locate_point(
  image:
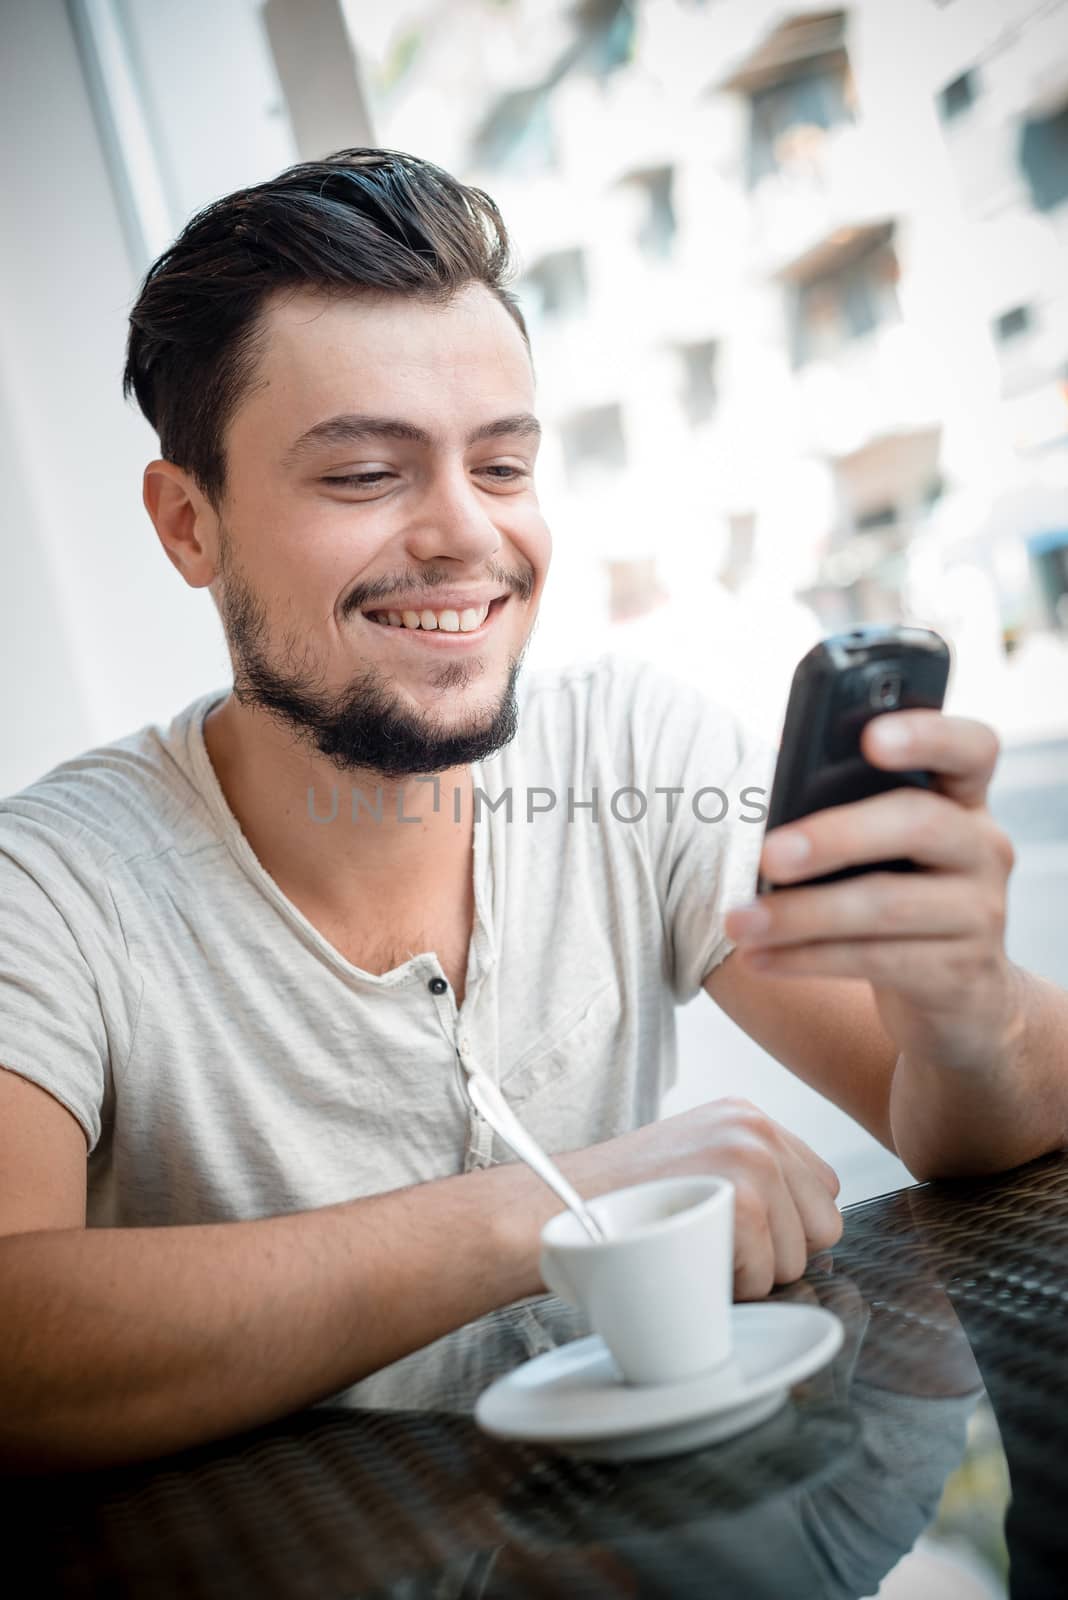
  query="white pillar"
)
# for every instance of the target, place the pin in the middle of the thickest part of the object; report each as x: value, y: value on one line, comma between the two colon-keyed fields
x: 320, y: 76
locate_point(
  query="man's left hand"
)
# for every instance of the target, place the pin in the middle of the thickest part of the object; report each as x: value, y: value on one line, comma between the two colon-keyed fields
x: 931, y: 943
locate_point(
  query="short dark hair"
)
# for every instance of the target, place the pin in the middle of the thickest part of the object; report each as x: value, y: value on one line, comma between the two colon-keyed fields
x: 379, y: 221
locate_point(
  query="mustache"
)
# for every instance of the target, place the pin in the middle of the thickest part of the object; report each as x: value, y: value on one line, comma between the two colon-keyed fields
x: 517, y: 581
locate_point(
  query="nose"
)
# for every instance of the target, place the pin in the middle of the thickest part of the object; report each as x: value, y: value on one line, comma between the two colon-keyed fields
x: 454, y: 521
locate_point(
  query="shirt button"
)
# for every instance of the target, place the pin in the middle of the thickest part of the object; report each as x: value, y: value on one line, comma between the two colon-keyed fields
x: 437, y: 986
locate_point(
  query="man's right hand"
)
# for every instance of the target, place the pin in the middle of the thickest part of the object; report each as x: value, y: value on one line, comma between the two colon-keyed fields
x: 784, y: 1203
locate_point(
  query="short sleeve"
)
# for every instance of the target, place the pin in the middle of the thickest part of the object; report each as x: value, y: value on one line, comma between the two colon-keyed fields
x: 61, y: 1012
x: 706, y: 836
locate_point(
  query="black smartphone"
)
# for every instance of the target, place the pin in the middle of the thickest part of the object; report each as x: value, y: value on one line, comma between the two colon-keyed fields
x: 839, y: 686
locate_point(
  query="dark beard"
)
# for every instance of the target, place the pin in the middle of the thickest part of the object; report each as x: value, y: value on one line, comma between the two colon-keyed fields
x: 364, y: 727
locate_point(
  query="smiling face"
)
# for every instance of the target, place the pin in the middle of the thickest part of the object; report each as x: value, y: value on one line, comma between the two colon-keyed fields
x: 382, y: 552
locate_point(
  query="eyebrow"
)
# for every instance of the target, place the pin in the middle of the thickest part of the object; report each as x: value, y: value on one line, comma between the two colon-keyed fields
x: 350, y: 427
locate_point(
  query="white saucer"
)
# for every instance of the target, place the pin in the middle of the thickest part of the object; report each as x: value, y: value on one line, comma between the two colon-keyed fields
x: 574, y: 1399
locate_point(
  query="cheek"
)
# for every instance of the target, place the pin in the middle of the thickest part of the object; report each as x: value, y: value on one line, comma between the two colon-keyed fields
x: 534, y: 543
x: 315, y: 555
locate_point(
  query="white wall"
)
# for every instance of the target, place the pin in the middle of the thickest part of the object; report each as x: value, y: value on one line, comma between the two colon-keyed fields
x: 98, y: 633
x: 42, y: 710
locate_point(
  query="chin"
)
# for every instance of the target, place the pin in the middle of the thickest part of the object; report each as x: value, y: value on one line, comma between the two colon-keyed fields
x: 455, y: 683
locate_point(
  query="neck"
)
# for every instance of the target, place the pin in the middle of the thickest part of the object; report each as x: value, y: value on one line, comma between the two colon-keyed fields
x: 322, y: 832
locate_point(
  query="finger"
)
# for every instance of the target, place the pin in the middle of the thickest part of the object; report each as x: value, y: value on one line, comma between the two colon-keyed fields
x: 818, y: 1216
x: 925, y: 827
x: 961, y: 751
x: 821, y: 1170
x: 879, y: 904
x: 788, y: 1241
x: 754, y: 1253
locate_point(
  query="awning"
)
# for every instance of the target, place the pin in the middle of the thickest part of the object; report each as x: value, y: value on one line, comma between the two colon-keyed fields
x: 787, y: 48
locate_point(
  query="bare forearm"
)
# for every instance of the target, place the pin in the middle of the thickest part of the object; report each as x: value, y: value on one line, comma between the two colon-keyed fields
x: 119, y: 1344
x: 953, y: 1122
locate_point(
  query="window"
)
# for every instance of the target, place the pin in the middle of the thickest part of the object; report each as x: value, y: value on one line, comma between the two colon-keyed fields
x: 1044, y: 159
x: 1011, y: 324
x: 699, y: 391
x: 593, y: 444
x: 741, y: 541
x: 634, y: 588
x: 958, y: 96
x: 556, y: 285
x: 610, y: 28
x: 1049, y: 559
x: 817, y: 98
x: 835, y: 308
x: 517, y: 135
x: 881, y: 517
x: 656, y: 231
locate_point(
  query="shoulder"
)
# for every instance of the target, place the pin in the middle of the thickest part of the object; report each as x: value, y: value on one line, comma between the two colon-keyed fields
x: 631, y: 709
x: 112, y: 803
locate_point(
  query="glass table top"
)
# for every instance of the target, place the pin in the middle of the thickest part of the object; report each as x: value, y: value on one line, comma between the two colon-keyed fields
x: 928, y: 1457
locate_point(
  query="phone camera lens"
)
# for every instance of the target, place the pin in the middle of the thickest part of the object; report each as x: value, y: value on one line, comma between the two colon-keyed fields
x: 886, y: 691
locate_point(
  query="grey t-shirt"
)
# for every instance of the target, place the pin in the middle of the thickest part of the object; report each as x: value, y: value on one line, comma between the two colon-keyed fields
x: 227, y: 1062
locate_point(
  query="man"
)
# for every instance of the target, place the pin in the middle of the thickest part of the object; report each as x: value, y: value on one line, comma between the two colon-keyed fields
x: 250, y: 990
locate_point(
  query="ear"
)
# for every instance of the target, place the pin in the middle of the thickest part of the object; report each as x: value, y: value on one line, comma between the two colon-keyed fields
x: 186, y: 525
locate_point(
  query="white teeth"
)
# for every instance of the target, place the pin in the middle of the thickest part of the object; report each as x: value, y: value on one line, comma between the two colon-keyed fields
x: 466, y: 621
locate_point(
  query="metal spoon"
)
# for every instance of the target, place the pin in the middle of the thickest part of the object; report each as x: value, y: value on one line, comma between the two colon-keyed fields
x: 491, y: 1104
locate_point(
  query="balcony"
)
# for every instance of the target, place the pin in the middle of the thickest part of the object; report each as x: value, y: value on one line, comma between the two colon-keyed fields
x: 829, y: 184
x: 889, y: 383
x: 792, y: 45
x: 885, y: 491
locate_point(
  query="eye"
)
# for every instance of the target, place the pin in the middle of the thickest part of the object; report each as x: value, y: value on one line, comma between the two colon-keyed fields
x: 369, y: 480
x: 356, y: 480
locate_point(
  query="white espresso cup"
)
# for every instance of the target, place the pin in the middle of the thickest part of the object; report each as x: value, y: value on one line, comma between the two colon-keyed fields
x: 658, y: 1289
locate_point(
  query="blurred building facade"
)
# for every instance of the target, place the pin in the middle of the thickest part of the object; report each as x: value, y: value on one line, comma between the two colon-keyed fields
x: 795, y: 278
x: 796, y: 284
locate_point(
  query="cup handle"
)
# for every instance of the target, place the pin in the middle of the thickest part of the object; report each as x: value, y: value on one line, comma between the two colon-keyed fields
x: 556, y: 1279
